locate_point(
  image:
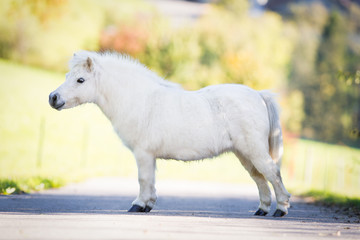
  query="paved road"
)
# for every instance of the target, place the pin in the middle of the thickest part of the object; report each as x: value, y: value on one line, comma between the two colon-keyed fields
x: 180, y: 12
x: 96, y: 209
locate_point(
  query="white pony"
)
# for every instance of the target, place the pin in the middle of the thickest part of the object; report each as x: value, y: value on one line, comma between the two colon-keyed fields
x: 158, y: 119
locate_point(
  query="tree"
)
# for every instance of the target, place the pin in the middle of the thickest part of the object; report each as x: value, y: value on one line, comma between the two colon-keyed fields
x: 329, y: 102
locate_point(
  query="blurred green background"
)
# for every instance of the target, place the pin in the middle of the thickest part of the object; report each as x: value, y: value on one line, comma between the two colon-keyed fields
x: 306, y: 51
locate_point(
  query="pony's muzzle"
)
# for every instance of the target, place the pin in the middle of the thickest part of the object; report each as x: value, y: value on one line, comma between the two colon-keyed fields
x: 55, y: 101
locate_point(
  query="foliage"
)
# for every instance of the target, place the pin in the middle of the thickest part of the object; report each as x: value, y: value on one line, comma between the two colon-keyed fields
x: 46, y: 33
x: 43, y: 32
x: 323, y: 67
x: 206, y: 53
x: 233, y: 6
x: 8, y: 187
x: 19, y: 185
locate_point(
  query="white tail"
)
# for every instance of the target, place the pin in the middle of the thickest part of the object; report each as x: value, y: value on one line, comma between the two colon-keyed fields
x: 275, y: 134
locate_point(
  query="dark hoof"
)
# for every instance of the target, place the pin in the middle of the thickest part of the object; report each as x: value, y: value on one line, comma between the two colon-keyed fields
x: 260, y: 212
x: 147, y: 209
x: 136, y: 208
x: 279, y: 213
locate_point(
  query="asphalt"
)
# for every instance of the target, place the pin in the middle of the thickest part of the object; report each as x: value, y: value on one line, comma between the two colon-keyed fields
x: 97, y: 209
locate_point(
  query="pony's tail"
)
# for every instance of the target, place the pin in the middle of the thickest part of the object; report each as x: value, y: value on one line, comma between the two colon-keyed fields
x: 275, y: 134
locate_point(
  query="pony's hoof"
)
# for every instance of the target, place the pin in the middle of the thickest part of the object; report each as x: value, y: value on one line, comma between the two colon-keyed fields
x: 279, y: 213
x: 147, y: 209
x: 136, y: 208
x: 260, y: 212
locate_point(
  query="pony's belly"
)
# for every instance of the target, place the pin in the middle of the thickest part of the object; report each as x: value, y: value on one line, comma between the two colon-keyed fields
x: 194, y: 151
x: 188, y: 155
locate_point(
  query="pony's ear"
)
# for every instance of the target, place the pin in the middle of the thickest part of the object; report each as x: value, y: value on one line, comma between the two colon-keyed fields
x: 89, y: 65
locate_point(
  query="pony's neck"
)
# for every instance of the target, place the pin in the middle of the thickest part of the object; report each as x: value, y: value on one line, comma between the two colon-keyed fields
x: 122, y: 89
x: 124, y: 94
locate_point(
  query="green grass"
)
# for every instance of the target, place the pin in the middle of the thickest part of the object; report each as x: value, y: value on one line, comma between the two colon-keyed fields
x: 347, y: 205
x: 333, y: 199
x: 8, y: 186
x: 310, y: 165
x: 37, y: 142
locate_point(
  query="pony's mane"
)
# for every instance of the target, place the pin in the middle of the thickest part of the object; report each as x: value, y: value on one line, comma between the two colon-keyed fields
x: 124, y: 60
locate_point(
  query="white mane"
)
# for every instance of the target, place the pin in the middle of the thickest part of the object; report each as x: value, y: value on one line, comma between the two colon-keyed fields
x: 123, y: 61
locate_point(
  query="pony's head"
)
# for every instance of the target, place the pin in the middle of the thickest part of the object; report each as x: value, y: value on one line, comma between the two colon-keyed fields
x: 80, y: 84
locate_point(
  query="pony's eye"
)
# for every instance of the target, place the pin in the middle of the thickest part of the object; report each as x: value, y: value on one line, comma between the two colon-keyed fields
x: 81, y: 80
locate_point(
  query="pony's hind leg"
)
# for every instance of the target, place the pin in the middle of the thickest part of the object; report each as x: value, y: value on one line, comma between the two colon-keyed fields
x: 266, y: 166
x: 263, y: 187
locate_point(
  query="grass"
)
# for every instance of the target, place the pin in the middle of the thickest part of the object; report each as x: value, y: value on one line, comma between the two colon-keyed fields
x: 310, y: 165
x: 8, y: 186
x: 40, y: 146
x: 333, y: 199
x: 349, y: 206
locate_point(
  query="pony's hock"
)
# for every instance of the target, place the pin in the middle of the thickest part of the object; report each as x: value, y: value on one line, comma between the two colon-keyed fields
x: 158, y: 119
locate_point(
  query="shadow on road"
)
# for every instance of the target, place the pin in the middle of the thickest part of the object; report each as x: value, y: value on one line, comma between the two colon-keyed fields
x: 209, y: 207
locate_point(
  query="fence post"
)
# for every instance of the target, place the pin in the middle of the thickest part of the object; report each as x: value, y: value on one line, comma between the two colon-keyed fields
x: 326, y: 173
x: 309, y: 161
x: 341, y: 173
x: 40, y: 150
x: 84, y: 147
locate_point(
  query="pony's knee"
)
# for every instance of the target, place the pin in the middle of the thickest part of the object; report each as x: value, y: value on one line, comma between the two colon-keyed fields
x: 254, y: 173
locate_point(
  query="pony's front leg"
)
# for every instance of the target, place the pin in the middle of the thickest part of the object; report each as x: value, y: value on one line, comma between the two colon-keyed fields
x: 146, y: 176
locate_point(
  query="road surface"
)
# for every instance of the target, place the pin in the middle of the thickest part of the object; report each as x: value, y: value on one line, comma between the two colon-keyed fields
x: 180, y: 12
x: 97, y: 209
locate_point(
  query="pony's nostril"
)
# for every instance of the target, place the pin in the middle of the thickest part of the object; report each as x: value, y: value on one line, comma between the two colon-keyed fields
x: 55, y: 101
x: 53, y: 97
